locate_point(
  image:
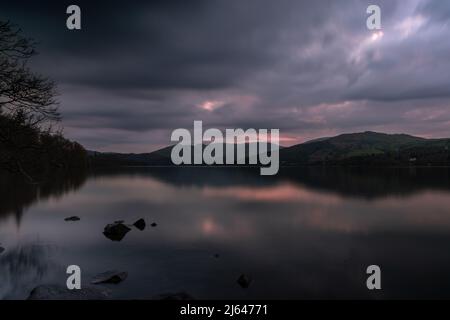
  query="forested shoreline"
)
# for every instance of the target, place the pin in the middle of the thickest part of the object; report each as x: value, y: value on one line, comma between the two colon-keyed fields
x: 31, y: 139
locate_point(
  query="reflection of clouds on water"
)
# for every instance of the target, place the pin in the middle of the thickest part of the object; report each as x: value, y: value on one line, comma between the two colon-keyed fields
x: 301, y: 234
x: 214, y: 227
x: 22, y: 268
x: 226, y: 207
x: 278, y: 193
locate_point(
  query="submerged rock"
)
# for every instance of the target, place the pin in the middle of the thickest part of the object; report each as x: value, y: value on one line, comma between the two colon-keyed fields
x: 173, y: 296
x: 2, y: 249
x: 116, y: 231
x: 216, y: 255
x: 244, y: 281
x: 119, y: 221
x: 110, y: 277
x: 140, y: 224
x: 57, y: 292
x: 154, y: 224
x: 73, y: 218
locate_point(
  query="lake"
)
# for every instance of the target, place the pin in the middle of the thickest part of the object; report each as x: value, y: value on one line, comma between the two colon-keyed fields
x: 307, y: 233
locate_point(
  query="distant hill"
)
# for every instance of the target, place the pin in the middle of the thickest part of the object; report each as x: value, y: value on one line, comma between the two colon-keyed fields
x: 366, y: 148
x: 109, y: 159
x: 369, y: 148
x: 161, y: 157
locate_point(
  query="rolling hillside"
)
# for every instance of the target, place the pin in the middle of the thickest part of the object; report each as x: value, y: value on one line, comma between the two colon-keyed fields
x: 366, y: 148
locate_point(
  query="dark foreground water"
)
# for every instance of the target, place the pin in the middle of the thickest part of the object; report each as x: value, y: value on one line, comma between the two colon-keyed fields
x: 306, y: 233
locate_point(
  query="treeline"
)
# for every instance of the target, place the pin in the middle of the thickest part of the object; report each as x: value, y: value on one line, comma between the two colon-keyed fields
x: 33, y: 152
x: 424, y: 156
x: 29, y: 144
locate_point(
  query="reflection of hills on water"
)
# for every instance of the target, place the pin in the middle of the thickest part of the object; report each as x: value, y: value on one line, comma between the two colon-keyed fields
x: 18, y: 194
x: 356, y: 182
x: 199, y: 176
x: 371, y: 183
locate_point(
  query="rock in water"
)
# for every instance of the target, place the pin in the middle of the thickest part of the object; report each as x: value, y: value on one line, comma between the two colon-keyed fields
x: 2, y: 249
x: 244, y: 281
x: 154, y: 224
x: 74, y: 218
x: 110, y: 277
x: 56, y: 292
x: 116, y: 231
x: 140, y: 224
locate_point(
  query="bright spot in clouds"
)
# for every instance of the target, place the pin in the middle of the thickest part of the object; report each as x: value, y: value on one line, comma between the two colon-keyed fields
x: 211, y: 105
x: 377, y: 35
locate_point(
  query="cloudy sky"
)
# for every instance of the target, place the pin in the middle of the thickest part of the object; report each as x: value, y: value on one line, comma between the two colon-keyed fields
x: 139, y: 69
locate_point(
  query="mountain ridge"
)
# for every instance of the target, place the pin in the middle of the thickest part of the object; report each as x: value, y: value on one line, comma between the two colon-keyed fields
x: 361, y: 148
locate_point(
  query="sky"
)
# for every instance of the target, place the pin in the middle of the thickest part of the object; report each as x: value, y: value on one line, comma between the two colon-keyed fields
x: 140, y: 69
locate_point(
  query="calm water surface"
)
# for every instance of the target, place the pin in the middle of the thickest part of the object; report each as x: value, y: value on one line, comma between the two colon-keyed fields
x: 306, y: 233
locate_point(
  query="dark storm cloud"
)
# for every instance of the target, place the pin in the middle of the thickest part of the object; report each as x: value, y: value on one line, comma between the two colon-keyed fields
x: 167, y: 44
x: 139, y: 69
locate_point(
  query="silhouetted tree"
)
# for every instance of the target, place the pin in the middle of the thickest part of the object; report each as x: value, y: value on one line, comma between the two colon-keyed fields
x: 28, y: 112
x: 20, y: 89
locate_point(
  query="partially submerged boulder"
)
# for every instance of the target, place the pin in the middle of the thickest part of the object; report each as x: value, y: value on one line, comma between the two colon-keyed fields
x: 57, y: 292
x: 116, y: 231
x: 244, y: 281
x: 154, y: 224
x: 140, y: 224
x: 73, y: 218
x: 2, y: 249
x: 110, y: 277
